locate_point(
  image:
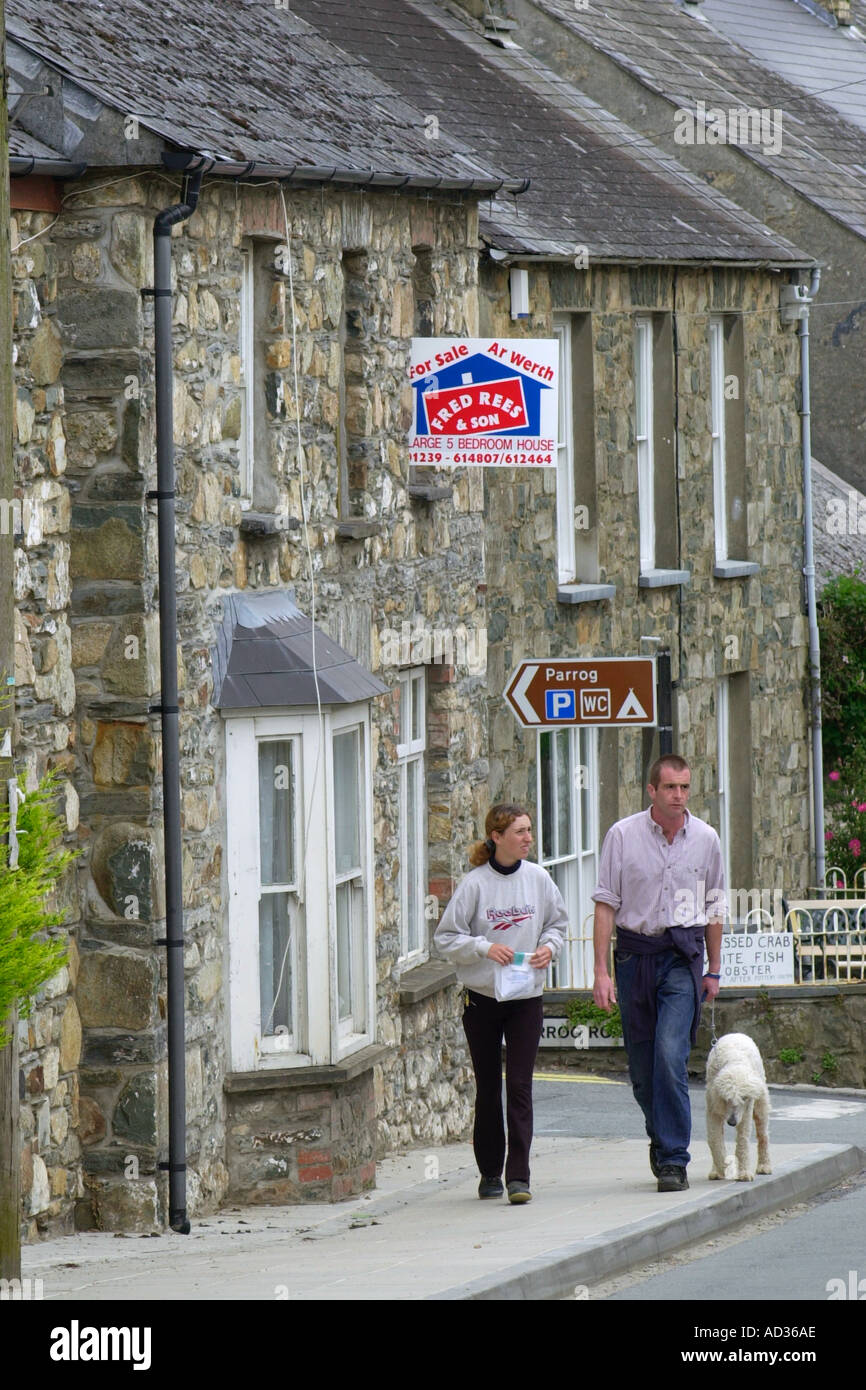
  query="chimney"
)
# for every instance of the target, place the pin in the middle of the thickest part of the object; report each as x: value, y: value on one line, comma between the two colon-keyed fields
x: 492, y: 18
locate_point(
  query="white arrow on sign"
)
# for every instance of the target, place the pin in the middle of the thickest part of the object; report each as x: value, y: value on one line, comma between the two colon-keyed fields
x: 518, y: 695
x: 631, y: 708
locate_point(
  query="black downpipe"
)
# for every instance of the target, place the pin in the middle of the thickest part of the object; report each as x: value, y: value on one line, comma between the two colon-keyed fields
x: 168, y: 708
x: 665, y: 702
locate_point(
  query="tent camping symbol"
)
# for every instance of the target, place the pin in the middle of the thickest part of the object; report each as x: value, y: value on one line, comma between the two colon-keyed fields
x: 478, y: 393
x: 631, y: 707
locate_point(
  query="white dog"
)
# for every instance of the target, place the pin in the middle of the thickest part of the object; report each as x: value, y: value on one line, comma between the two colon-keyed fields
x: 737, y: 1090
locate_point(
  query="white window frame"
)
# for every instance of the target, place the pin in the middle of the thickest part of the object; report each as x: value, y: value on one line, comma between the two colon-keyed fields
x: 717, y: 429
x: 411, y: 753
x: 287, y: 1041
x: 353, y: 1032
x: 723, y: 759
x: 574, y: 969
x: 319, y: 1038
x: 248, y: 370
x: 643, y: 404
x: 566, y: 550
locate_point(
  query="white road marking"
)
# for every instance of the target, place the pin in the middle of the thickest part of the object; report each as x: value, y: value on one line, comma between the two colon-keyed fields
x: 819, y: 1110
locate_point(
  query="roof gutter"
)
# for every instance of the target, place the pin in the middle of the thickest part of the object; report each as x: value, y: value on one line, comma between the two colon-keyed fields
x: 21, y: 165
x: 189, y: 161
x: 508, y: 258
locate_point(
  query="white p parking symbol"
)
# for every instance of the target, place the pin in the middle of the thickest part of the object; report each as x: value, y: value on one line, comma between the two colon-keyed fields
x: 559, y: 704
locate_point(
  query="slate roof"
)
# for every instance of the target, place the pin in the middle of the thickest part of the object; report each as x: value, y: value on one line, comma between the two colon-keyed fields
x: 686, y: 60
x: 802, y: 43
x: 263, y: 658
x: 836, y: 554
x: 594, y: 181
x: 237, y: 81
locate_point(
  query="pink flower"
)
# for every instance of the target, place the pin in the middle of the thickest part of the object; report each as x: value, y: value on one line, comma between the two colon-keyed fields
x: 834, y: 776
x: 861, y: 806
x: 828, y: 835
x: 854, y: 846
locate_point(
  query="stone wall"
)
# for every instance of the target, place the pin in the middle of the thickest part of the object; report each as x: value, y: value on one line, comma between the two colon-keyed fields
x: 825, y: 1024
x: 45, y: 729
x: 89, y: 658
x: 713, y: 627
x: 312, y: 1143
x: 482, y: 558
x: 428, y: 1096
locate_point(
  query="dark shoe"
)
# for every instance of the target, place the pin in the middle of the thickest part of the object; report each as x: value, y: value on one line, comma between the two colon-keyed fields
x: 490, y: 1187
x: 672, y: 1178
x: 519, y: 1192
x: 654, y: 1160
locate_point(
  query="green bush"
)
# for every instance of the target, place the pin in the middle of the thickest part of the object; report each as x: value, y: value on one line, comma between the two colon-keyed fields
x: 845, y: 805
x: 842, y: 626
x: 584, y: 1011
x: 27, y: 959
x: 791, y: 1055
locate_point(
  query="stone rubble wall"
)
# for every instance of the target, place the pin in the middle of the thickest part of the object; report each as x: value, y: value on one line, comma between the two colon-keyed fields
x: 88, y: 632
x: 45, y: 728
x: 762, y: 613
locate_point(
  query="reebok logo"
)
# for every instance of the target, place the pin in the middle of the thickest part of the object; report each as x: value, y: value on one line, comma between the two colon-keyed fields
x: 505, y: 917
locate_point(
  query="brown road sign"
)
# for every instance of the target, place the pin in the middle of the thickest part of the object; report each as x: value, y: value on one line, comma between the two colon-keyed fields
x: 609, y: 691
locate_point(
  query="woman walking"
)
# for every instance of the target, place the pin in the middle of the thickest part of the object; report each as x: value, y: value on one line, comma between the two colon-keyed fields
x: 503, y: 926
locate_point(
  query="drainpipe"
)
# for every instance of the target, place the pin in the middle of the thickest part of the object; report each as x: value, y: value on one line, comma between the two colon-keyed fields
x: 795, y: 301
x: 168, y: 708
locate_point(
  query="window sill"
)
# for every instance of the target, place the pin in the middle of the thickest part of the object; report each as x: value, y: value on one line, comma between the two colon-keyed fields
x: 430, y: 492
x: 584, y: 593
x: 424, y: 980
x: 663, y: 579
x: 267, y: 523
x: 735, y: 569
x: 293, y: 1078
x: 358, y: 530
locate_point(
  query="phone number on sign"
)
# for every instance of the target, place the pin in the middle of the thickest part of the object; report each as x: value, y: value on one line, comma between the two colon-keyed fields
x: 505, y: 460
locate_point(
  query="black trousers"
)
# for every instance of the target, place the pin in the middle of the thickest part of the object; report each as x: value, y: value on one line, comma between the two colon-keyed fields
x: 486, y: 1022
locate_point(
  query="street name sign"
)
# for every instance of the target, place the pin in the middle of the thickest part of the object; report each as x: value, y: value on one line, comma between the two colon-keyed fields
x: 608, y: 691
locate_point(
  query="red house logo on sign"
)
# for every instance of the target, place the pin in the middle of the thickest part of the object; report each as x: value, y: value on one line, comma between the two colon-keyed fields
x: 474, y: 406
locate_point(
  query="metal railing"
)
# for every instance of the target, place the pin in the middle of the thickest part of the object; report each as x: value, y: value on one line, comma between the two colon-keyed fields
x: 829, y: 940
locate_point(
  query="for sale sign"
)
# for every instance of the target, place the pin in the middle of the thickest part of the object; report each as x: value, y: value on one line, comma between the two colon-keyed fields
x: 483, y: 402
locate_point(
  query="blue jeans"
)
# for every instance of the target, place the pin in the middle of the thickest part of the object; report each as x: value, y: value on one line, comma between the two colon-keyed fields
x: 658, y: 1068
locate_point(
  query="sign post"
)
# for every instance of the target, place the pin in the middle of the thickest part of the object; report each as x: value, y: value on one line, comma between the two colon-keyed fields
x: 604, y: 691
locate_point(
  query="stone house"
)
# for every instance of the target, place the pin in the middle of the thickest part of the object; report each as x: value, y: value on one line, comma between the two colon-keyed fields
x: 795, y: 157
x: 665, y: 298
x: 293, y: 507
x: 330, y: 784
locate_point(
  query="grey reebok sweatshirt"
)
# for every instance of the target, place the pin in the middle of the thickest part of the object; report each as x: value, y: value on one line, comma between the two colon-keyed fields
x: 523, y: 910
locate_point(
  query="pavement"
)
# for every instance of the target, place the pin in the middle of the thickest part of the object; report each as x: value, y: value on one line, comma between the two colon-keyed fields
x: 423, y: 1234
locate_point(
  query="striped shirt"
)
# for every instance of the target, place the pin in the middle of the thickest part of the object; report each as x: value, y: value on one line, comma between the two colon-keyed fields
x: 651, y: 884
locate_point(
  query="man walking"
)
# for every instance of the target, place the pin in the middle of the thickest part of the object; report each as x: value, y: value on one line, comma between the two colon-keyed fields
x: 660, y: 870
